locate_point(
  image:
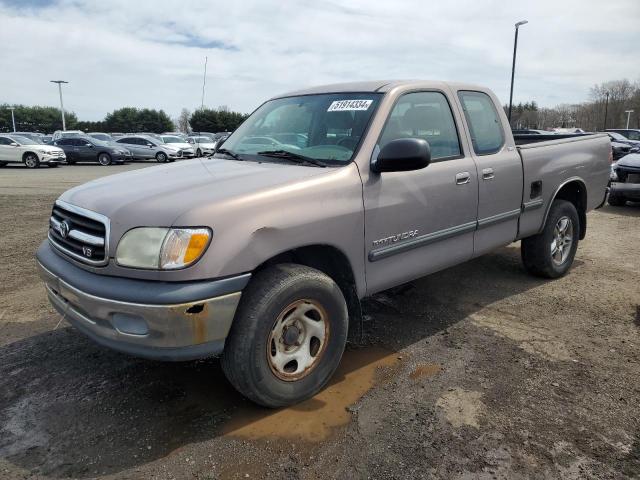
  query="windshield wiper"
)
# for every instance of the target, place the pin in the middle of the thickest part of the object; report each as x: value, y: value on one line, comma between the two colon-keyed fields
x: 294, y: 157
x: 229, y: 153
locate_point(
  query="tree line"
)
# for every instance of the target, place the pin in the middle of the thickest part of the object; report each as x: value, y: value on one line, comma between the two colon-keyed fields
x: 605, y: 108
x: 127, y: 119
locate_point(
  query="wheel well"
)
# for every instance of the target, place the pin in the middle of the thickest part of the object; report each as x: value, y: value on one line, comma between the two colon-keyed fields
x: 576, y: 193
x: 24, y: 155
x: 336, y: 265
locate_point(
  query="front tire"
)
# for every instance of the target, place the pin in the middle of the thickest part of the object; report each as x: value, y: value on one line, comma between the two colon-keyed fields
x: 161, y: 157
x: 198, y: 153
x: 31, y: 160
x: 550, y: 254
x: 104, y: 159
x: 287, y: 337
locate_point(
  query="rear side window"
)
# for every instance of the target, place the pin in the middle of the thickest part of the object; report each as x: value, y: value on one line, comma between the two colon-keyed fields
x: 126, y: 140
x: 65, y: 141
x: 484, y: 123
x: 425, y: 115
x: 5, y: 141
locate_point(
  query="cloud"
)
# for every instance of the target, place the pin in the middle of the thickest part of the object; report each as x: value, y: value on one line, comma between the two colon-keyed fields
x: 151, y: 53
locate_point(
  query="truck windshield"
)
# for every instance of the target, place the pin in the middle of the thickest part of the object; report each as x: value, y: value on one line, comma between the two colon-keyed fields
x: 326, y: 127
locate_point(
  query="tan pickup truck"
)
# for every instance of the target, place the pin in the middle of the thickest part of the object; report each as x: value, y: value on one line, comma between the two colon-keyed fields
x: 262, y: 253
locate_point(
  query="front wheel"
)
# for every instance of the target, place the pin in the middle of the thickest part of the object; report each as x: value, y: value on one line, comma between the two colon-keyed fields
x: 550, y: 253
x: 287, y: 337
x: 161, y: 157
x: 198, y: 153
x: 104, y: 159
x: 31, y: 160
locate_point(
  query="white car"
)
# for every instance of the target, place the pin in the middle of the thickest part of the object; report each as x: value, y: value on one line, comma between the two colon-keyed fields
x: 18, y: 149
x: 58, y: 134
x: 177, y: 143
x: 202, y: 145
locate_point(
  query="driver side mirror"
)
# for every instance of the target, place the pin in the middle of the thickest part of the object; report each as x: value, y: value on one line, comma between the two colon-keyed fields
x: 14, y: 144
x: 149, y: 144
x: 402, y: 155
x: 90, y: 145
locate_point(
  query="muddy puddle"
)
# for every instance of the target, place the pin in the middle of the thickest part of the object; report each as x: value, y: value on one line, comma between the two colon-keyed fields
x: 424, y: 370
x: 315, y: 419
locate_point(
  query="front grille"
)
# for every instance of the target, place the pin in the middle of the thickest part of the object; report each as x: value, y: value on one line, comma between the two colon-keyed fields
x: 56, y: 154
x: 81, y: 234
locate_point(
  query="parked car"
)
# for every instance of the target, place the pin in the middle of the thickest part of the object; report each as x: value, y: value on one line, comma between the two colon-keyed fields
x: 211, y: 135
x: 183, y: 136
x: 19, y: 149
x: 46, y: 139
x: 103, y: 137
x: 617, y: 137
x: 262, y: 253
x: 58, y: 134
x: 184, y: 148
x: 625, y: 180
x: 202, y: 145
x: 88, y: 149
x: 32, y: 135
x: 629, y: 133
x: 143, y: 147
x: 620, y: 150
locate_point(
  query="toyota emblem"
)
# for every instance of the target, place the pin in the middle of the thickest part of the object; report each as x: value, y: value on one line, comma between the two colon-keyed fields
x: 63, y: 228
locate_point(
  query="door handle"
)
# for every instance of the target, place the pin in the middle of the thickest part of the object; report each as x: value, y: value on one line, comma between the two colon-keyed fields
x: 487, y: 174
x: 462, y: 178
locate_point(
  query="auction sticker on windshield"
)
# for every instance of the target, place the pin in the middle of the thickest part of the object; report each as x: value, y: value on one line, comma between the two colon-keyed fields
x: 349, y: 105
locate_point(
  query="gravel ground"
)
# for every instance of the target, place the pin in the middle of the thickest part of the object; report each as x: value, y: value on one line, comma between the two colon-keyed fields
x: 480, y: 371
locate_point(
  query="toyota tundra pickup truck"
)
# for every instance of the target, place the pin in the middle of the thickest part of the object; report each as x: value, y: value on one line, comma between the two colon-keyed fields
x: 262, y: 253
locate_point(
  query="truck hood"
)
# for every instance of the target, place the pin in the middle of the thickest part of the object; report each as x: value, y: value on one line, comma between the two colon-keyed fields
x: 158, y: 195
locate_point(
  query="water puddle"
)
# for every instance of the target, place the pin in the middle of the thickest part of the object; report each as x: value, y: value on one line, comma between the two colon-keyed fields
x: 425, y: 370
x: 315, y: 419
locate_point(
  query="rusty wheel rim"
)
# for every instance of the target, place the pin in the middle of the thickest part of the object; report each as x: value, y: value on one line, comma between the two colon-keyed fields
x: 298, y: 340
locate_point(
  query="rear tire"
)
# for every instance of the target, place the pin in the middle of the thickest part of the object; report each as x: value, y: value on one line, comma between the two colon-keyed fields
x: 104, y: 159
x: 616, y: 200
x: 31, y: 160
x: 550, y: 253
x: 287, y: 337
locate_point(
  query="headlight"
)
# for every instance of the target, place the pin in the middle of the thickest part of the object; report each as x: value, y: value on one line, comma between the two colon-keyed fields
x: 162, y: 248
x: 45, y: 152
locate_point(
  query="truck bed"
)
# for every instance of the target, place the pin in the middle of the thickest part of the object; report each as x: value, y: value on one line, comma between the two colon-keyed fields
x: 550, y: 161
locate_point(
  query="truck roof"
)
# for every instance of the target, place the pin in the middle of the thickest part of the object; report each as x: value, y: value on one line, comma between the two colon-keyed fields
x: 382, y: 86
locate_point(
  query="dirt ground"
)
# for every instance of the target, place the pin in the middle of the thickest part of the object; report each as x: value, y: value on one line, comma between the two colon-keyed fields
x: 480, y: 371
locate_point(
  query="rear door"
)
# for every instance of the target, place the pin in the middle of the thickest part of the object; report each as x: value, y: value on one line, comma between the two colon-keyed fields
x: 6, y: 150
x: 421, y: 221
x: 499, y: 172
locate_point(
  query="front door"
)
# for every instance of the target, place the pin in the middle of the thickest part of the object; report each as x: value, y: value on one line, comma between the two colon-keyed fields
x: 421, y: 221
x: 83, y: 150
x: 499, y: 173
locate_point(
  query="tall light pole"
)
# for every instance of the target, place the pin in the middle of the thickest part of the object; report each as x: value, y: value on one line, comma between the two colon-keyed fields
x: 628, y: 112
x: 513, y: 65
x: 204, y: 82
x: 606, y: 110
x: 13, y: 119
x: 60, y: 82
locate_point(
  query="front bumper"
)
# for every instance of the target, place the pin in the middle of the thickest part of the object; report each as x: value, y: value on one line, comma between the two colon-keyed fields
x: 157, y: 320
x: 46, y: 158
x: 630, y: 191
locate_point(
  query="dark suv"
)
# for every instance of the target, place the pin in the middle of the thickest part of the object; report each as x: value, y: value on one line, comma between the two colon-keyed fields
x: 630, y: 133
x: 87, y: 149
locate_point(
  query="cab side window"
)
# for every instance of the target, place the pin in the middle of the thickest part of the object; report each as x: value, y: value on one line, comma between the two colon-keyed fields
x: 484, y: 123
x: 5, y: 141
x: 65, y: 141
x: 425, y: 115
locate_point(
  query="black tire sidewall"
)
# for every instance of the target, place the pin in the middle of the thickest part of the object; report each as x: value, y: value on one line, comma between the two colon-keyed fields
x: 104, y: 164
x: 161, y: 157
x: 37, y: 162
x: 559, y: 210
x: 255, y: 320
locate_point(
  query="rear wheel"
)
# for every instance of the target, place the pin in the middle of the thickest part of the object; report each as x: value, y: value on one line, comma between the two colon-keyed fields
x: 287, y: 337
x: 31, y: 160
x: 550, y: 253
x: 161, y: 157
x: 104, y: 159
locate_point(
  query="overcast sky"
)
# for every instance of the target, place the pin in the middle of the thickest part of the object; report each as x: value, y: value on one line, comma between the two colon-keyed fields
x: 151, y: 53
